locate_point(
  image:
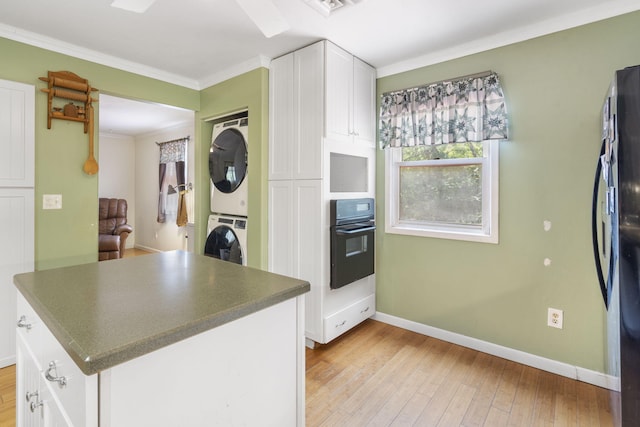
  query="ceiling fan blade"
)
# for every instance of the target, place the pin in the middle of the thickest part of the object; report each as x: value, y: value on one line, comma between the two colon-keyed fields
x: 265, y: 15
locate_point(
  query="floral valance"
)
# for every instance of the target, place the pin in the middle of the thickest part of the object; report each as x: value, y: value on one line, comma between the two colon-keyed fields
x: 465, y: 110
x: 173, y: 151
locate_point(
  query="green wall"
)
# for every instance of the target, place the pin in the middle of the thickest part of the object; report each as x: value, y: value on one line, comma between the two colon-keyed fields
x: 500, y: 293
x: 248, y: 91
x: 70, y: 235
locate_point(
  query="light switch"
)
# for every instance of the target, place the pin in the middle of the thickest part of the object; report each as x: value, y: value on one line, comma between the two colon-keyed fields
x: 52, y: 201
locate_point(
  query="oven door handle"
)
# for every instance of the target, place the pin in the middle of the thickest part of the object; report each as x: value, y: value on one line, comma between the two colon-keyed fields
x: 356, y: 230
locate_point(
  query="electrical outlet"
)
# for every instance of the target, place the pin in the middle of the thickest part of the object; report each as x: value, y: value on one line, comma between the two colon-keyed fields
x: 554, y: 318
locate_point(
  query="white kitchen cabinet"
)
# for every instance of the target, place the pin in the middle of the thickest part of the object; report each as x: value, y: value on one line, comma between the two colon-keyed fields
x: 296, y: 236
x: 318, y: 94
x: 28, y: 388
x: 321, y: 102
x: 296, y: 106
x: 281, y: 112
x: 345, y: 319
x: 65, y: 396
x: 16, y: 202
x: 210, y: 379
x: 36, y: 404
x: 350, y: 98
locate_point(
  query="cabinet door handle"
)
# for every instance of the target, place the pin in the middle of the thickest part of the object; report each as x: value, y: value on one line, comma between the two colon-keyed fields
x: 22, y: 323
x: 35, y: 405
x: 54, y: 378
x: 29, y: 395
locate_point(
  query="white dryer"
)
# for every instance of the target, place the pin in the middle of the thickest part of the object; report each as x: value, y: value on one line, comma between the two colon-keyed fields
x: 227, y: 238
x: 228, y: 167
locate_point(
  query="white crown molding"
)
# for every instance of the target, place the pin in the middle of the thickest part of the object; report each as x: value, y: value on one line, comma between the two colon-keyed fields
x: 560, y: 368
x: 603, y: 11
x: 236, y: 70
x: 118, y: 136
x: 59, y: 46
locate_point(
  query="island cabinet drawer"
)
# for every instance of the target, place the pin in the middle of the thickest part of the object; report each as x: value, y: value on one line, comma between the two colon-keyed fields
x: 30, y: 329
x: 350, y: 316
x: 73, y: 395
x: 76, y: 392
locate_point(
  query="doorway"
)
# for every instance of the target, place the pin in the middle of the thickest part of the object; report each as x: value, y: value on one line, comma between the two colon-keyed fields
x: 128, y: 155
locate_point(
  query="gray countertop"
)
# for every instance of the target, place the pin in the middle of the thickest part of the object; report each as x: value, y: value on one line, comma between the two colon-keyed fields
x: 109, y: 312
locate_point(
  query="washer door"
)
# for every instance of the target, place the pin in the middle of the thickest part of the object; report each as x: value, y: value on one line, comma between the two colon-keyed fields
x: 228, y: 160
x: 223, y: 244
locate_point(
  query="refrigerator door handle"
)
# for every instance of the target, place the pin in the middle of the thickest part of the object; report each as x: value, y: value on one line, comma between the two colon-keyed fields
x: 594, y: 228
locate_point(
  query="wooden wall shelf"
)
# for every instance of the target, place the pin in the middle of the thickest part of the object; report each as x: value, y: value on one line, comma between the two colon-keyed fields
x: 65, y: 87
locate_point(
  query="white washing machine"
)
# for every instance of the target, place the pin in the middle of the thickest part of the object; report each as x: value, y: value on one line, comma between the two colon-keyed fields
x: 228, y: 167
x: 227, y: 238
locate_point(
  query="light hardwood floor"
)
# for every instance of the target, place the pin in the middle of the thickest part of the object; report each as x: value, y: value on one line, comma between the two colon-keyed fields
x: 8, y: 396
x: 380, y: 375
x: 131, y: 252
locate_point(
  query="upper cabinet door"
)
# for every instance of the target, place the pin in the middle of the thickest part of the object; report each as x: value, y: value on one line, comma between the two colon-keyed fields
x: 339, y: 96
x: 309, y: 80
x: 281, y: 113
x: 350, y: 98
x: 17, y: 128
x: 364, y: 103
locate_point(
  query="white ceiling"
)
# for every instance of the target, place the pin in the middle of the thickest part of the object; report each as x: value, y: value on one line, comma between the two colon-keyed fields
x: 197, y: 43
x: 121, y: 116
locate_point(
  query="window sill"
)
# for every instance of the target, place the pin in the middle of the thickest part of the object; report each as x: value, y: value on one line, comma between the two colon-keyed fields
x: 443, y: 233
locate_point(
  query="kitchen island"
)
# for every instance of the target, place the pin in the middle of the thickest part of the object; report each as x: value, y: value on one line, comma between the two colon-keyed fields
x: 173, y: 339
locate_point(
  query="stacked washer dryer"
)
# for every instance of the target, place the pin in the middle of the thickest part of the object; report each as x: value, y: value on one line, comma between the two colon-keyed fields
x: 227, y: 226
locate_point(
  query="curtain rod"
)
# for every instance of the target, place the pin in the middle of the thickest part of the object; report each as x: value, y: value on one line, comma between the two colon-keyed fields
x: 187, y: 138
x: 468, y: 76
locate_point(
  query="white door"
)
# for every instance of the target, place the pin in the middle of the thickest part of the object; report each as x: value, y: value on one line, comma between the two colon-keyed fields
x: 16, y: 134
x: 16, y: 202
x: 16, y: 256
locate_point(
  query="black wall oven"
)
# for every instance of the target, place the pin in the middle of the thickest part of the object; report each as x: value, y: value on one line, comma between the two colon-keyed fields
x: 352, y: 228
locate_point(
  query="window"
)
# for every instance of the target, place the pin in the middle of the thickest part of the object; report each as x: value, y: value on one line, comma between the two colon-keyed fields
x: 446, y: 191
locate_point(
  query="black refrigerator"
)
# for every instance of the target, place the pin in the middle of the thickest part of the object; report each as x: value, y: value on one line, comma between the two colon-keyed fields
x: 616, y: 239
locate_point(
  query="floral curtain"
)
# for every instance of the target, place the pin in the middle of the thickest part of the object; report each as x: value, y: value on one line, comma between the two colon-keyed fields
x: 465, y: 110
x: 172, y: 180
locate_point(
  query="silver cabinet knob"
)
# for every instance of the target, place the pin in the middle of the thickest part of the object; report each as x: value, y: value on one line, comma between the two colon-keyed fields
x: 22, y: 323
x: 52, y: 375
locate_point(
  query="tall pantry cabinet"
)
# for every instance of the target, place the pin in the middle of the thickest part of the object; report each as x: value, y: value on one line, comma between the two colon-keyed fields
x: 17, y: 127
x: 322, y: 113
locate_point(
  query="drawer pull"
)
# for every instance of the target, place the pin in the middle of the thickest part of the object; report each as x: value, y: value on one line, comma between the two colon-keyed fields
x: 341, y: 324
x: 54, y: 378
x: 365, y: 310
x: 35, y: 405
x: 22, y: 323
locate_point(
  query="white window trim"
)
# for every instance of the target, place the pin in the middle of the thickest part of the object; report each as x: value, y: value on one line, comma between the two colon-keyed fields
x: 490, y: 203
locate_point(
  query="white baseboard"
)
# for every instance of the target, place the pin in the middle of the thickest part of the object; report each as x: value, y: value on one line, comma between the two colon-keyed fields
x: 147, y: 248
x: 7, y: 361
x: 570, y: 371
